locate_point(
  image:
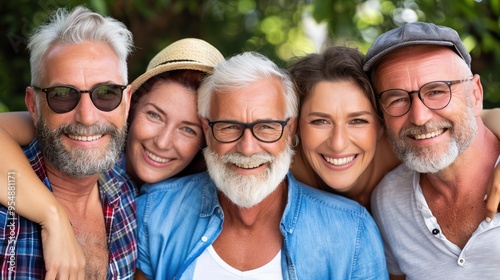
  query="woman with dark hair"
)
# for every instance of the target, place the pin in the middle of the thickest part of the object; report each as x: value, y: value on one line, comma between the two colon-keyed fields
x: 343, y: 147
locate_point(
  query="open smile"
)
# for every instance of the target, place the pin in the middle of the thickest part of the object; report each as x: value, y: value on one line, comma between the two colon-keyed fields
x: 339, y: 161
x: 156, y: 158
x: 85, y: 138
x: 247, y: 165
x: 428, y: 135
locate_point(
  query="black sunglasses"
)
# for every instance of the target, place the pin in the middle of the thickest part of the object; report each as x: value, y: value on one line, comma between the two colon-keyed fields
x: 63, y: 99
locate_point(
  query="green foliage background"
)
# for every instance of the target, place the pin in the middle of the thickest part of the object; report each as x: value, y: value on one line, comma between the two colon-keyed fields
x: 272, y: 27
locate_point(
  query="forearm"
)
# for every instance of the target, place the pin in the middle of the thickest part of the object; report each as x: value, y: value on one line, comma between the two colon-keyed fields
x: 19, y: 126
x: 24, y: 193
x: 22, y: 190
x: 491, y: 118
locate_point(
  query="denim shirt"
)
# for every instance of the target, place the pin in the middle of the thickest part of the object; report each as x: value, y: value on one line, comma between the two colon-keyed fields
x: 325, y: 236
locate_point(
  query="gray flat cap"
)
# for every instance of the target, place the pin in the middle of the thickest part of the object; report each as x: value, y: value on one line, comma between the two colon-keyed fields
x: 416, y: 33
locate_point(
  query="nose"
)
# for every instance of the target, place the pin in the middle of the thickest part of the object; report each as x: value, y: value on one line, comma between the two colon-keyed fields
x: 419, y: 114
x: 338, y: 140
x: 85, y: 112
x: 248, y: 144
x: 164, y: 138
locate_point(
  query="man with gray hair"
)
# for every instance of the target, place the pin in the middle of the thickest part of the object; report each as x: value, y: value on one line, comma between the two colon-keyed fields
x: 79, y: 101
x: 248, y: 218
x: 431, y: 209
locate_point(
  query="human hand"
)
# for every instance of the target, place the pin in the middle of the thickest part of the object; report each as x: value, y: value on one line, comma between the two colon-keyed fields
x: 63, y: 256
x: 493, y: 196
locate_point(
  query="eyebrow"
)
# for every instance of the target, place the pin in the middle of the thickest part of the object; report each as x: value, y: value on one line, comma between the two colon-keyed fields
x: 156, y: 107
x: 361, y: 113
x: 319, y: 114
x: 165, y: 114
x: 192, y: 123
x: 353, y: 114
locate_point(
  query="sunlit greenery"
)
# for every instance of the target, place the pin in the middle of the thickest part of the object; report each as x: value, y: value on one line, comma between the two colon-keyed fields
x: 281, y: 29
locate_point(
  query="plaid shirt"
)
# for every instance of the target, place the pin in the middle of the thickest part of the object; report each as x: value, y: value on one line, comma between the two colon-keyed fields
x: 21, y: 255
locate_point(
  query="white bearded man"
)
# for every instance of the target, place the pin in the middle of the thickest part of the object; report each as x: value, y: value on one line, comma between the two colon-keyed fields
x: 248, y: 218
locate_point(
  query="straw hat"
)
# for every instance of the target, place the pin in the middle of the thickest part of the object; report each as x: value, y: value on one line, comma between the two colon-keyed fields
x: 184, y: 54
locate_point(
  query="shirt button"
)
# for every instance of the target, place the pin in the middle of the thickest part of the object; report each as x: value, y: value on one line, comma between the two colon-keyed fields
x: 461, y: 261
x: 204, y: 239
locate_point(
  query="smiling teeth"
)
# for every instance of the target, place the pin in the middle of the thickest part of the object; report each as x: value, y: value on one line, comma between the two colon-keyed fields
x: 157, y: 159
x: 428, y: 135
x: 85, y: 138
x: 339, y: 161
x: 247, y: 165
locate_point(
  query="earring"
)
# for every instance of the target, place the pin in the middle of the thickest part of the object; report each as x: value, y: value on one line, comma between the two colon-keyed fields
x: 295, y: 141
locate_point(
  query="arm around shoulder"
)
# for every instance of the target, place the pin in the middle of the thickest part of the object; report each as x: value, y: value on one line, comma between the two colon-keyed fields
x: 19, y: 126
x: 490, y: 118
x: 32, y: 200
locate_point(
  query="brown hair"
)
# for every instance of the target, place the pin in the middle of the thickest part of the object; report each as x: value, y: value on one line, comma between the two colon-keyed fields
x: 190, y: 79
x: 336, y: 63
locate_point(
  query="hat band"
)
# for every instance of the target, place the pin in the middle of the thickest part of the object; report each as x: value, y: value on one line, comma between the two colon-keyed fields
x: 174, y: 61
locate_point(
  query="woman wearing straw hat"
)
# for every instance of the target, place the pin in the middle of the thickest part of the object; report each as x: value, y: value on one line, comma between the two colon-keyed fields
x: 165, y: 135
x: 164, y: 131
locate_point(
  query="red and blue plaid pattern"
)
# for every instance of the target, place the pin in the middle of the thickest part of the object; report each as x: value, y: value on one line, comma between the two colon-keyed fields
x: 21, y: 255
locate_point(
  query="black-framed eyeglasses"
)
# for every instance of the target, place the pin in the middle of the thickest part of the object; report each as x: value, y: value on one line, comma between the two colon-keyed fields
x: 435, y: 95
x: 63, y: 99
x: 267, y: 131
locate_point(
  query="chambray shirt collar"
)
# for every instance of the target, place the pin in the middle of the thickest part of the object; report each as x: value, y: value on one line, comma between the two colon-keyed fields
x: 292, y: 208
x: 210, y: 201
x: 210, y: 204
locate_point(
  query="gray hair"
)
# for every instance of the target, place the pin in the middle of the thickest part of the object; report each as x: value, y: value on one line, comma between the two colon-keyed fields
x: 74, y: 27
x: 240, y: 71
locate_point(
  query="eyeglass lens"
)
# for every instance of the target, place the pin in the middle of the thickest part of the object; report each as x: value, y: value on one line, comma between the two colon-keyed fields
x: 435, y: 95
x: 62, y: 99
x: 264, y: 131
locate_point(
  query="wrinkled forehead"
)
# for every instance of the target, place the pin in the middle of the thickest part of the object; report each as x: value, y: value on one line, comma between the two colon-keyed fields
x: 82, y: 65
x: 421, y: 64
x: 417, y: 54
x: 263, y: 99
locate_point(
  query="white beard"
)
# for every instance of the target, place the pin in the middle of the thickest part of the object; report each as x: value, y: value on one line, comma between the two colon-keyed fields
x: 247, y: 191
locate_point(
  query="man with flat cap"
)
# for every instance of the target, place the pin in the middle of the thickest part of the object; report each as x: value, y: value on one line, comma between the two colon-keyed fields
x: 431, y: 209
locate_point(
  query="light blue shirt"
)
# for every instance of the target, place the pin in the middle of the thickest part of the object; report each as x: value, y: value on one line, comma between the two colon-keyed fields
x: 325, y: 236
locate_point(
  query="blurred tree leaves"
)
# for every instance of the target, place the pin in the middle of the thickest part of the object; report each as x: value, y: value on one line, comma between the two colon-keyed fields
x: 272, y: 27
